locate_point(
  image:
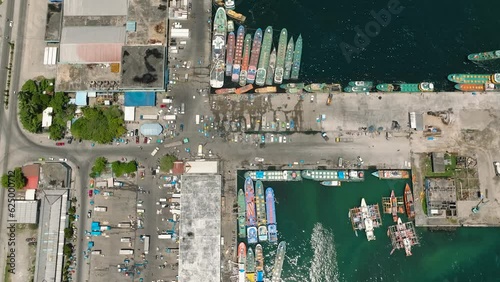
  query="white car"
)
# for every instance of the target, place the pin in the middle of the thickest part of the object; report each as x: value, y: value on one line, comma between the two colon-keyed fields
x: 51, y: 159
x: 63, y: 160
x: 272, y: 138
x: 284, y: 139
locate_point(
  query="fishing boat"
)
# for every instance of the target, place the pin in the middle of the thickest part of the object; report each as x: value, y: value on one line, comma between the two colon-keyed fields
x: 218, y: 49
x: 278, y: 262
x: 242, y: 256
x: 297, y: 55
x: 231, y: 41
x: 394, y: 207
x: 259, y: 263
x: 282, y: 175
x: 331, y: 183
x: 289, y: 59
x: 287, y: 86
x: 250, y: 202
x: 271, y: 68
x: 367, y: 220
x: 236, y: 16
x: 225, y: 91
x: 254, y: 56
x: 230, y: 26
x: 238, y: 54
x: 361, y: 83
x: 272, y: 231
x: 229, y: 4
x: 280, y: 57
x: 244, y: 89
x: 470, y: 78
x: 403, y: 233
x: 333, y: 175
x: 357, y: 89
x: 267, y: 89
x: 241, y: 214
x: 333, y: 87
x: 260, y: 201
x: 410, y: 208
x: 265, y: 52
x: 246, y: 59
x: 250, y: 265
x: 391, y: 174
x: 315, y: 87
x: 484, y: 56
x: 406, y: 87
x: 466, y: 87
x: 252, y: 237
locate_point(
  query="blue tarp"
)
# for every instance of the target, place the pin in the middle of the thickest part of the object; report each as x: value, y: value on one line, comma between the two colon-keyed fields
x: 95, y: 233
x: 95, y: 226
x: 81, y: 98
x: 137, y: 99
x: 341, y: 175
x: 259, y: 174
x: 90, y: 244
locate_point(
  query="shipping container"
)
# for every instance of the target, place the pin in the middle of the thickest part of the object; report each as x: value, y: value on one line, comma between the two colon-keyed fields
x: 176, y: 195
x: 124, y: 225
x: 146, y: 244
x: 164, y: 236
x: 174, y: 200
x: 96, y: 252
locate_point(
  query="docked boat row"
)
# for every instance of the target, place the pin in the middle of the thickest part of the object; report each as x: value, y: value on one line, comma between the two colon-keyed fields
x: 367, y: 86
x: 256, y: 213
x: 250, y: 263
x: 476, y: 82
x: 285, y: 175
x: 484, y: 56
x: 333, y: 175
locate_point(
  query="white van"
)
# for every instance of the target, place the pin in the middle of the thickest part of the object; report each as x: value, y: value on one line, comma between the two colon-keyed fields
x: 182, y: 109
x: 281, y: 139
x: 197, y: 119
x: 155, y: 151
x: 200, y: 150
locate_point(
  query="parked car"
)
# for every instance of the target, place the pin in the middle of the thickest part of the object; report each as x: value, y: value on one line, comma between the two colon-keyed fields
x: 91, y: 193
x: 60, y: 144
x: 136, y: 132
x: 137, y: 140
x: 163, y: 106
x: 89, y: 214
x: 323, y: 134
x: 145, y: 140
x: 63, y: 160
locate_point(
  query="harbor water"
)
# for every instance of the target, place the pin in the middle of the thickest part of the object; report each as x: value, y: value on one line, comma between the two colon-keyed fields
x: 424, y: 41
x: 321, y: 245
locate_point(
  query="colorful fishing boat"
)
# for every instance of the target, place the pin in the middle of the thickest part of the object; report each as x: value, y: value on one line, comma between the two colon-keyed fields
x: 357, y: 89
x: 467, y: 87
x: 272, y: 230
x: 260, y: 200
x: 238, y: 54
x: 242, y: 233
x: 225, y: 91
x: 252, y: 237
x: 471, y: 78
x: 331, y: 183
x: 361, y: 83
x: 280, y: 57
x: 391, y: 174
x: 231, y: 41
x: 254, y: 56
x: 246, y: 59
x: 315, y: 87
x: 289, y: 59
x: 406, y: 87
x: 287, y: 86
x: 484, y: 56
x: 271, y: 68
x: 297, y: 55
x: 250, y: 265
x: 394, y: 207
x: 230, y: 26
x: 410, y: 208
x: 259, y: 263
x: 242, y: 256
x: 265, y: 51
x: 267, y: 89
x: 250, y: 202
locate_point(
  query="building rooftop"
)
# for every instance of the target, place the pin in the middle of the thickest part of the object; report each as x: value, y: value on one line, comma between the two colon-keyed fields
x: 200, y: 231
x: 47, y: 117
x: 143, y: 67
x: 201, y: 167
x: 32, y: 173
x: 151, y: 129
x: 91, y: 44
x: 150, y: 20
x: 26, y: 212
x: 95, y: 8
x: 54, y: 22
x: 51, y: 235
x: 438, y: 165
x: 84, y: 77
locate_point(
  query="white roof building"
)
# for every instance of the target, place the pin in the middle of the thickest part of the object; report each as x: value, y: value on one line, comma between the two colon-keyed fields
x: 201, y: 167
x: 47, y: 117
x: 129, y: 113
x: 95, y: 8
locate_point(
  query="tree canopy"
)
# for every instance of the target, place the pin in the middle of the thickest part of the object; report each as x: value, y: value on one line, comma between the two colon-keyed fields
x: 120, y: 168
x: 99, y: 124
x: 167, y: 162
x: 17, y: 178
x: 99, y: 166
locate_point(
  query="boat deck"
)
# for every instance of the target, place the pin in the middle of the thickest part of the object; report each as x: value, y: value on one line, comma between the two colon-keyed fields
x: 284, y: 175
x: 399, y: 235
x: 386, y: 202
x: 356, y: 216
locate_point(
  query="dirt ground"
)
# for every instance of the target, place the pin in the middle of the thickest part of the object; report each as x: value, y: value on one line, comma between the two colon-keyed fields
x: 25, y: 254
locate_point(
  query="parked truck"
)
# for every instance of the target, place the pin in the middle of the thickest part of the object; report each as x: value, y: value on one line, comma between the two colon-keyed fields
x: 100, y: 209
x: 342, y: 139
x: 149, y: 117
x: 174, y: 200
x: 169, y: 117
x: 118, y: 184
x: 126, y: 252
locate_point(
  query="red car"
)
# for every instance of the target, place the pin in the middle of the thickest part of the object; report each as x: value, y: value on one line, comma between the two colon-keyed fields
x: 91, y: 192
x: 145, y: 140
x: 137, y: 140
x: 163, y: 106
x: 60, y: 144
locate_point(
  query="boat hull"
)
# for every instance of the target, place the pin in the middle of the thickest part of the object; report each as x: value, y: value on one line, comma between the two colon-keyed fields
x: 484, y: 56
x: 297, y: 57
x: 250, y: 203
x: 252, y: 237
x: 262, y: 233
x: 265, y: 54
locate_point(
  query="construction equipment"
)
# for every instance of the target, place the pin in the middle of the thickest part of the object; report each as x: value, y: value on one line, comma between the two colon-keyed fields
x: 475, y: 209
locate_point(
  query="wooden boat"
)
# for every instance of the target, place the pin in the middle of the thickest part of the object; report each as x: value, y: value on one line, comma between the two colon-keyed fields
x: 410, y: 207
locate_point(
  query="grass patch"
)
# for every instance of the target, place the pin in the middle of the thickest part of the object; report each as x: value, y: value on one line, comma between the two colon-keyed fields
x: 424, y: 204
x: 449, y: 168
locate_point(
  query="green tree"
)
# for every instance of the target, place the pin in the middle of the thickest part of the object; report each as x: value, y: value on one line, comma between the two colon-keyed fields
x: 99, y: 124
x: 56, y: 131
x: 5, y: 180
x: 68, y: 249
x: 19, y: 179
x: 167, y: 162
x: 72, y: 210
x: 68, y: 233
x: 99, y: 166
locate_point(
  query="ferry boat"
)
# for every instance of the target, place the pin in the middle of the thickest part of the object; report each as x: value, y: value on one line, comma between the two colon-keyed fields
x: 356, y: 175
x: 297, y: 55
x: 252, y: 237
x: 250, y: 265
x: 406, y: 87
x: 484, y: 56
x: 339, y: 175
x: 357, y: 89
x: 259, y: 263
x: 368, y: 222
x: 280, y: 57
x: 394, y: 207
x: 410, y: 208
x: 271, y: 68
x: 242, y: 233
x: 285, y: 175
x: 331, y: 183
x: 254, y: 57
x: 250, y: 202
x: 272, y: 231
x: 471, y: 78
x: 238, y: 54
x: 288, y: 59
x: 467, y: 87
x: 218, y: 49
x: 391, y: 174
x: 261, y: 211
x: 265, y: 53
x: 242, y: 256
x: 246, y: 59
x: 231, y: 41
x: 267, y: 89
x: 278, y: 262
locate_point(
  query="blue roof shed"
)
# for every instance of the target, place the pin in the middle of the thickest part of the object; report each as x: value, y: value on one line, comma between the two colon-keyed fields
x: 151, y: 129
x: 137, y: 99
x: 81, y: 98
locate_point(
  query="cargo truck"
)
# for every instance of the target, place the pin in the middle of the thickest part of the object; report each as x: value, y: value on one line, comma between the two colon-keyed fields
x: 169, y: 117
x: 149, y: 117
x: 101, y: 209
x: 126, y: 252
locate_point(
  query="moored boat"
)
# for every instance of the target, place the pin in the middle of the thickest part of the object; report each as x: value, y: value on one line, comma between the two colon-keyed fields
x: 242, y: 256
x: 231, y: 41
x: 246, y: 59
x: 476, y: 87
x: 259, y: 263
x: 250, y: 202
x: 410, y: 208
x: 236, y: 16
x: 470, y: 78
x: 229, y: 4
x: 406, y: 87
x: 218, y: 49
x: 280, y: 57
x: 265, y: 53
x: 484, y: 56
x: 394, y: 206
x: 356, y: 89
x: 250, y: 265
x: 292, y: 86
x: 289, y: 58
x: 252, y: 237
x: 262, y: 232
x: 297, y: 56
x: 361, y: 83
x: 326, y: 175
x: 242, y: 232
x: 271, y: 68
x: 315, y: 87
x: 278, y: 262
x: 244, y: 89
x: 272, y: 231
x: 254, y: 56
x: 225, y: 91
x: 391, y: 174
x: 230, y: 26
x: 261, y: 210
x: 238, y: 54
x: 367, y: 220
x: 268, y: 89
x: 331, y: 183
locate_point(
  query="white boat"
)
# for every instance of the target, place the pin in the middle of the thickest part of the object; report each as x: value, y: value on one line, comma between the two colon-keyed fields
x: 229, y: 4
x: 262, y: 233
x: 369, y: 229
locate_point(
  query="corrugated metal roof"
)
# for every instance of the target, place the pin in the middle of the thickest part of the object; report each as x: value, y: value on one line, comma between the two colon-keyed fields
x: 95, y: 8
x: 93, y: 34
x: 151, y: 129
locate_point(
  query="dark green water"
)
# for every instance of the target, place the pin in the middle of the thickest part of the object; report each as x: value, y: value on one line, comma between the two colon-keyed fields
x: 321, y: 245
x: 426, y: 41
